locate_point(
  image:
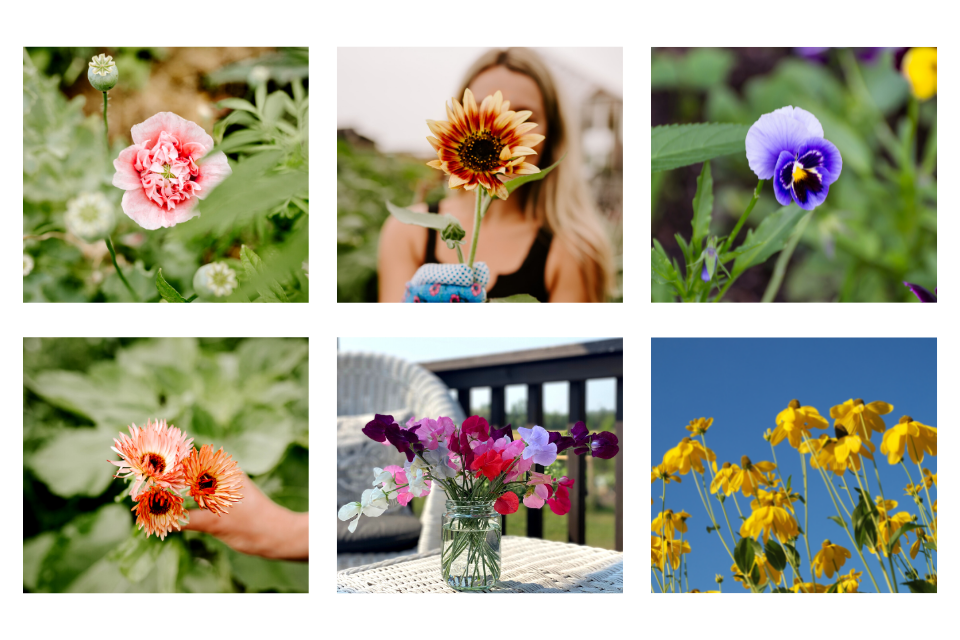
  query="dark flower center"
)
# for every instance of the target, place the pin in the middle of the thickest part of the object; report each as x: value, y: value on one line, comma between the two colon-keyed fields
x: 154, y: 460
x: 159, y: 504
x: 803, y: 175
x: 480, y: 152
x: 207, y: 484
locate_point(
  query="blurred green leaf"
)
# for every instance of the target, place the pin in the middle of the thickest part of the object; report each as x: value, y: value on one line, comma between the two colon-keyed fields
x: 513, y: 185
x: 676, y: 145
x: 236, y: 103
x: 84, y: 541
x: 167, y: 292
x: 702, y: 206
x: 699, y: 68
x: 259, y: 574
x: 766, y: 239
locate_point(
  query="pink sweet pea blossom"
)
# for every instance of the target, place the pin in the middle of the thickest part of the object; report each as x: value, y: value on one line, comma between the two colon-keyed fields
x: 560, y: 502
x: 507, y: 504
x: 540, y: 485
x: 520, y: 467
x: 160, y: 171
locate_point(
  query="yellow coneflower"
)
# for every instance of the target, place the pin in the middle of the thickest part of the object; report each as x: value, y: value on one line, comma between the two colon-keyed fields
x: 854, y: 415
x: 829, y: 559
x: 686, y: 455
x: 795, y: 422
x: 910, y: 436
x: 699, y: 426
x: 668, y: 523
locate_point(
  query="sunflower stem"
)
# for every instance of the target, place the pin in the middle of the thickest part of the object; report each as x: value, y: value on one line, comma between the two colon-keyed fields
x: 113, y: 256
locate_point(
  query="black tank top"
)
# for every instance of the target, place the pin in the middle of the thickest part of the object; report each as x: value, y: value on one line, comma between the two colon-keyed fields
x: 529, y: 278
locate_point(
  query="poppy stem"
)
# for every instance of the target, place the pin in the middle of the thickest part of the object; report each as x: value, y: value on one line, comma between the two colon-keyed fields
x: 113, y: 256
x: 106, y: 139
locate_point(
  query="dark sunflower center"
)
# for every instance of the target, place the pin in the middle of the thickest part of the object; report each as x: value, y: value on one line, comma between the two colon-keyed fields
x: 159, y: 504
x: 480, y: 152
x: 155, y: 461
x: 207, y: 484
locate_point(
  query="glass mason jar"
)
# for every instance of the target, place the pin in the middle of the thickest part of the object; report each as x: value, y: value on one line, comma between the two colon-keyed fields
x: 470, y: 549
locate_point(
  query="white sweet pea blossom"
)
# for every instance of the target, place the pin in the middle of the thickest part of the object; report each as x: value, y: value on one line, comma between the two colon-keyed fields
x: 417, y: 483
x: 383, y: 479
x: 439, y: 460
x: 372, y: 503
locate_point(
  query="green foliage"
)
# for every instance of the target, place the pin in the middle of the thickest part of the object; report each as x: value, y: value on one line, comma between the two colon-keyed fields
x: 675, y: 145
x: 702, y: 205
x: 248, y: 396
x: 518, y: 297
x: 775, y: 554
x: 767, y: 239
x: 920, y: 586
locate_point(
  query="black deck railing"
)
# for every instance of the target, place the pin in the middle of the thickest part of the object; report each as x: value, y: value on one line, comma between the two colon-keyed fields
x: 575, y: 363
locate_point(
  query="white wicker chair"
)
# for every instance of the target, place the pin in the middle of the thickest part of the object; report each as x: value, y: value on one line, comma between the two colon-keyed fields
x: 374, y: 383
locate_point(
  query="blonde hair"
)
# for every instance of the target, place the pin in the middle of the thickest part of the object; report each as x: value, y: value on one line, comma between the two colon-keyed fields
x: 561, y: 201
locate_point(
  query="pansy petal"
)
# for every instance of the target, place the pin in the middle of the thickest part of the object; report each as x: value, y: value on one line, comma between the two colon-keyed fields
x: 827, y: 153
x: 923, y: 294
x: 783, y: 178
x: 804, y: 117
x: 772, y: 134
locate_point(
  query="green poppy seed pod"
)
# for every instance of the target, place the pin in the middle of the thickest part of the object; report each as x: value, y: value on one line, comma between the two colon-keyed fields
x: 102, y: 73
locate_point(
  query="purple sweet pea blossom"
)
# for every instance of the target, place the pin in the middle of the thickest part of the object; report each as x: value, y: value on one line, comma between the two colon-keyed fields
x: 384, y: 428
x: 604, y: 445
x: 788, y: 146
x: 538, y: 446
x: 922, y: 294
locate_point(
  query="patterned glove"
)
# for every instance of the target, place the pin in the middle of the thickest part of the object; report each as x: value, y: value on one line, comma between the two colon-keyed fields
x: 448, y: 283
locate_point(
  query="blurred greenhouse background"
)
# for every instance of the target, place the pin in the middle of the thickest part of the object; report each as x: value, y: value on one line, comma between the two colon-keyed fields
x: 247, y: 395
x: 879, y: 225
x: 262, y: 128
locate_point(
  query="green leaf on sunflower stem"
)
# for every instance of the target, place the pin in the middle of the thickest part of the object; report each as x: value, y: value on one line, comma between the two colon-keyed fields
x: 517, y: 297
x: 702, y: 206
x: 236, y: 103
x: 429, y: 220
x: 899, y: 532
x: 791, y: 554
x: 920, y: 586
x: 840, y: 521
x: 512, y: 185
x: 766, y: 239
x: 776, y: 556
x: 743, y: 555
x: 675, y: 145
x: 166, y: 291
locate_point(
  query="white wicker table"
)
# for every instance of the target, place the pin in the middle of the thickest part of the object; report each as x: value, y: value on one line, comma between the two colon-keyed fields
x: 530, y: 565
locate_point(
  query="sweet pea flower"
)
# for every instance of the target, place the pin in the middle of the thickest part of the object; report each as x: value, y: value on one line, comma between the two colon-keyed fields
x: 383, y: 428
x: 560, y: 502
x: 539, y: 448
x: 383, y: 479
x: 504, y: 432
x: 520, y: 467
x: 372, y: 503
x: 490, y: 464
x: 507, y: 503
x: 509, y: 449
x: 417, y: 484
x: 787, y: 145
x: 540, y: 485
x: 160, y: 173
x: 439, y: 461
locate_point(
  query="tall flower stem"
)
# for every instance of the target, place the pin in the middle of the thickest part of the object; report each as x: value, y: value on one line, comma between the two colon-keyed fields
x: 806, y: 515
x: 106, y: 139
x: 876, y: 524
x: 743, y: 218
x: 113, y: 256
x: 483, y: 201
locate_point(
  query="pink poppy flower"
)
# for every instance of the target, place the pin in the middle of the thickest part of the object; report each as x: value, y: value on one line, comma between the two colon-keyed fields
x: 160, y: 171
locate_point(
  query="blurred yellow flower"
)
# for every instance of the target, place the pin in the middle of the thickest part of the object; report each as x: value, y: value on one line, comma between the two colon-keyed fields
x: 850, y: 582
x: 750, y: 476
x: 911, y: 436
x: 768, y: 575
x: 767, y: 520
x: 779, y: 498
x: 699, y: 426
x: 829, y: 559
x: 723, y: 479
x: 668, y: 523
x: 656, y: 552
x: 660, y: 472
x: 921, y: 537
x: 887, y: 525
x: 686, y: 455
x: 854, y: 414
x: 929, y: 478
x: 840, y: 453
x: 807, y: 587
x: 794, y: 422
x: 920, y: 69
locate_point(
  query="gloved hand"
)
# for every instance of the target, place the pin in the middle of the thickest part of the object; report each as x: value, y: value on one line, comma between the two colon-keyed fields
x: 448, y: 283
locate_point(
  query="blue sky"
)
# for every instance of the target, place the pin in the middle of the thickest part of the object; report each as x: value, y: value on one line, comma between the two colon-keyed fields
x: 601, y: 394
x: 743, y: 384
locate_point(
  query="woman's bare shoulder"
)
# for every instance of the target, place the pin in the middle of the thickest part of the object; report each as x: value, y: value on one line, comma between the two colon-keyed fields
x: 406, y: 238
x: 564, y: 274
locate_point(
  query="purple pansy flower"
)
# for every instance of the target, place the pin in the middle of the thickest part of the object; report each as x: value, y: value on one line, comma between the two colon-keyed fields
x: 788, y: 146
x: 921, y: 293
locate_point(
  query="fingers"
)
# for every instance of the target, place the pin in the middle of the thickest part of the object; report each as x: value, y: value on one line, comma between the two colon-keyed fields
x: 201, y: 520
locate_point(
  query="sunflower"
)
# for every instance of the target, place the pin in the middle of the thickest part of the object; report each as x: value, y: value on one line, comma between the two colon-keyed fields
x: 214, y: 479
x: 483, y: 146
x: 152, y: 455
x: 159, y: 511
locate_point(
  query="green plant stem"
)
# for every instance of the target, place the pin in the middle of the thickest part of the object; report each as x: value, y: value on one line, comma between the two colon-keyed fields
x: 459, y: 254
x: 876, y: 524
x: 783, y: 260
x: 476, y: 229
x: 743, y: 218
x: 106, y: 139
x: 113, y: 256
x: 806, y: 516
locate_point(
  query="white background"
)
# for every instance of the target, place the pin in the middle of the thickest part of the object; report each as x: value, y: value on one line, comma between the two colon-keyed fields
x: 324, y: 26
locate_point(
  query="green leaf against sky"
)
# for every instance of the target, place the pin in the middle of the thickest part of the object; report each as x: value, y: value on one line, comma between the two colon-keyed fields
x: 678, y: 145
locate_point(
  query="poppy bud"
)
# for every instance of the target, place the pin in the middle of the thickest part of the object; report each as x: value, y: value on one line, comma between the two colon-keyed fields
x: 102, y: 73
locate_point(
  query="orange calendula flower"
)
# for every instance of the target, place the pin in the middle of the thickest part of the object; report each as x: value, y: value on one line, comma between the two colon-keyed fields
x: 152, y: 455
x: 910, y: 436
x: 723, y: 479
x: 668, y: 523
x: 686, y: 455
x: 829, y: 559
x: 859, y: 418
x: 159, y: 511
x: 483, y: 145
x: 660, y: 472
x: 795, y: 422
x: 750, y: 476
x: 767, y: 520
x: 214, y: 479
x: 699, y: 426
x: 850, y: 582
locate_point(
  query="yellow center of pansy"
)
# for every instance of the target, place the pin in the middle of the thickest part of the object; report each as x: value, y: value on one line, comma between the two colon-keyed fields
x: 799, y: 173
